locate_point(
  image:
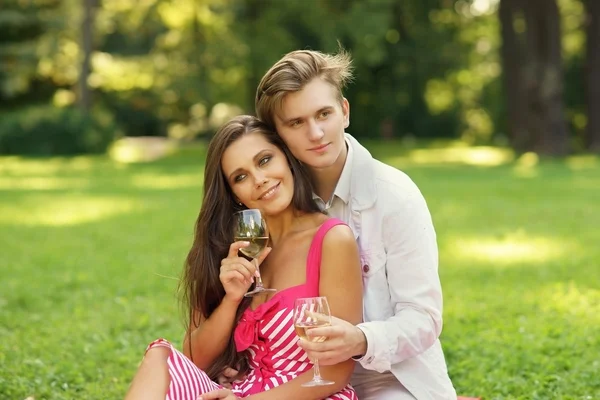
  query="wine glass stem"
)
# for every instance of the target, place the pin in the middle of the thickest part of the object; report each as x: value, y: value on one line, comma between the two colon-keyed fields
x: 259, y: 283
x: 316, y: 371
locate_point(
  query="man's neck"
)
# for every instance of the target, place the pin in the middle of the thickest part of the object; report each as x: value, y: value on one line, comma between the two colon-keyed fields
x: 326, y: 179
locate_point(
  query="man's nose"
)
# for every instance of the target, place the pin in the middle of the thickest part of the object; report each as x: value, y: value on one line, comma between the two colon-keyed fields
x: 315, y: 132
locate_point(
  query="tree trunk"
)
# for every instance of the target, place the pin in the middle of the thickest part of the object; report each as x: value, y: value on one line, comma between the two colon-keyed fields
x: 533, y: 77
x: 592, y: 73
x: 544, y: 78
x: 253, y: 11
x: 200, y: 43
x: 512, y: 59
x: 85, y: 95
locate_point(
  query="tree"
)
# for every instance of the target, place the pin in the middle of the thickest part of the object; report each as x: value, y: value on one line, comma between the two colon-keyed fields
x: 512, y: 54
x: 87, y: 25
x: 592, y: 72
x: 533, y: 76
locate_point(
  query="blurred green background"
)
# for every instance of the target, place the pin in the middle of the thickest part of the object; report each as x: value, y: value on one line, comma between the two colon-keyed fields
x: 75, y: 75
x: 492, y: 107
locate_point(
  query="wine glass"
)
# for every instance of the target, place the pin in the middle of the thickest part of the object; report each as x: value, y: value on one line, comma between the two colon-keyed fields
x: 249, y: 226
x: 312, y: 312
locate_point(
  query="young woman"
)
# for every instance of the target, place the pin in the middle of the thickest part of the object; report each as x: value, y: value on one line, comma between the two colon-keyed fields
x: 248, y: 166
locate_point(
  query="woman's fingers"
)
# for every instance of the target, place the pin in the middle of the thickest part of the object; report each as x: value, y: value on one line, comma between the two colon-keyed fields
x: 235, y: 247
x: 263, y: 254
x: 239, y: 261
x: 237, y: 271
x: 231, y: 275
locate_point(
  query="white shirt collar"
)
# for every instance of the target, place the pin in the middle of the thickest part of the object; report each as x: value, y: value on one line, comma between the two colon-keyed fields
x: 342, y: 189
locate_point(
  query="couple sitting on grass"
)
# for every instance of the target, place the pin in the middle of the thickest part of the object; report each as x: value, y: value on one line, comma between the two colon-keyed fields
x: 341, y: 224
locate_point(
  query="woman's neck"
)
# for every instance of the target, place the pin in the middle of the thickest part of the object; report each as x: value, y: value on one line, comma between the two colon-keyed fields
x: 284, y: 223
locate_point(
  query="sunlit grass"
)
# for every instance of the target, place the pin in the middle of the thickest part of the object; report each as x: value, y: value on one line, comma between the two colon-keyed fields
x: 167, y: 181
x: 67, y: 210
x: 511, y: 250
x: 33, y: 167
x: 479, y: 156
x: 41, y: 183
x: 91, y: 250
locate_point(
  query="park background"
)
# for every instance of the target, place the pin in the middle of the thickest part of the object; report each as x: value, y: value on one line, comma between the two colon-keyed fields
x: 106, y: 106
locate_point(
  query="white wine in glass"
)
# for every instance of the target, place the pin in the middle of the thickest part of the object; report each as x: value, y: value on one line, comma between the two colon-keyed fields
x: 309, y: 313
x: 257, y: 244
x: 249, y: 226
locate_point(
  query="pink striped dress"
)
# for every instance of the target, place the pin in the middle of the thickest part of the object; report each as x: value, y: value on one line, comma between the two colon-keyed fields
x: 267, y: 333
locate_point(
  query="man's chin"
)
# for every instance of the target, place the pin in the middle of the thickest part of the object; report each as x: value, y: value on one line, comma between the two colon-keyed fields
x: 320, y: 165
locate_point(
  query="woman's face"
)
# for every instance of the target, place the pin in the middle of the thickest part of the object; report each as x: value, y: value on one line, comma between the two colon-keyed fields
x: 258, y: 173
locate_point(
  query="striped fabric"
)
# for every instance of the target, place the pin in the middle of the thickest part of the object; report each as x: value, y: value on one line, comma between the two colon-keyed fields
x: 267, y: 334
x: 187, y: 380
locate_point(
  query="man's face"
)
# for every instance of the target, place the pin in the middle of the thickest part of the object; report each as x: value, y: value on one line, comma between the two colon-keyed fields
x: 312, y: 122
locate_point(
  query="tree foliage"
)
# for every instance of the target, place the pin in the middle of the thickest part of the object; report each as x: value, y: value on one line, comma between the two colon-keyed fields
x: 424, y: 68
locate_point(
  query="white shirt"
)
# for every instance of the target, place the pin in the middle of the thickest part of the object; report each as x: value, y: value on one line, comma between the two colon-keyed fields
x: 402, y: 305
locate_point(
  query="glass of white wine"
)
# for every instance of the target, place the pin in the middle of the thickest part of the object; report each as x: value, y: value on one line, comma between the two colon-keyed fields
x: 249, y: 226
x: 312, y: 312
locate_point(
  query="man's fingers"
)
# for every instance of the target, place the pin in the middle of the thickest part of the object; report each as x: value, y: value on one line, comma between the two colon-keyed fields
x: 214, y: 395
x: 224, y: 381
x: 317, y: 317
x: 313, y: 346
x: 328, y: 331
x: 230, y: 372
x: 315, y: 352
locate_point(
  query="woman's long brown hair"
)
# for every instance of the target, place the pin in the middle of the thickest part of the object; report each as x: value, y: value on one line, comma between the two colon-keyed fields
x: 202, y: 290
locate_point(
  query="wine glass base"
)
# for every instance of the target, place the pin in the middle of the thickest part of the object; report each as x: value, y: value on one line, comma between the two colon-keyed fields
x: 258, y: 291
x: 320, y: 382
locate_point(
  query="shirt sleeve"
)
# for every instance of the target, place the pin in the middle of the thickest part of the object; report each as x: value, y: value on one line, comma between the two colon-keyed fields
x: 415, y: 290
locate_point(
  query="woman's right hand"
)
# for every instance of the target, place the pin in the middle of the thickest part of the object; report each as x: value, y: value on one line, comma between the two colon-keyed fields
x: 237, y: 273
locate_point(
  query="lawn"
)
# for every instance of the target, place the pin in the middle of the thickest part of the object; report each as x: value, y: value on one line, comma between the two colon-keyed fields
x: 91, y: 250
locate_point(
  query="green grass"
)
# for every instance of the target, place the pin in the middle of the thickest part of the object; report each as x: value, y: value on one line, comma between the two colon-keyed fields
x: 90, y: 251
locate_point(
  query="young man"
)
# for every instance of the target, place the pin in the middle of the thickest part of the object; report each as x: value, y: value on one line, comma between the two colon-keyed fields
x: 398, y: 353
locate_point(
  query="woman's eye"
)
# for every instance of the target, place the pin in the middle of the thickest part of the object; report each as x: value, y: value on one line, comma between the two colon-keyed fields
x: 264, y: 160
x: 295, y: 124
x: 239, y: 178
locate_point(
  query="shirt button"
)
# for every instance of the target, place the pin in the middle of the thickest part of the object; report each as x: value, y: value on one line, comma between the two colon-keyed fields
x: 366, y: 268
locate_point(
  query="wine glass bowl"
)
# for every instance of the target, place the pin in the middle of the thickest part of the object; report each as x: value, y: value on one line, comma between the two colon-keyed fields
x: 309, y: 313
x: 249, y: 226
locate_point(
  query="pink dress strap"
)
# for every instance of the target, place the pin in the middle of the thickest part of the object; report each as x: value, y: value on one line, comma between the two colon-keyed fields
x: 313, y: 262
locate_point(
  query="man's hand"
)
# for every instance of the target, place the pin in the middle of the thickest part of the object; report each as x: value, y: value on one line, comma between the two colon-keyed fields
x: 226, y: 377
x: 344, y: 341
x: 220, y: 394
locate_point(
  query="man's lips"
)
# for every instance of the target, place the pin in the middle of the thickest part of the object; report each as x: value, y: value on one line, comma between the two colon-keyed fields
x: 320, y: 148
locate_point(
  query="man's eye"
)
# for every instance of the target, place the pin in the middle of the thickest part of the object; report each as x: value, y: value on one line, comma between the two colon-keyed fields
x: 264, y: 160
x: 325, y: 114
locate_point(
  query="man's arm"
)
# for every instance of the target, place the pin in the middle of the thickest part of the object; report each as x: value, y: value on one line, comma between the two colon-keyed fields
x: 414, y: 285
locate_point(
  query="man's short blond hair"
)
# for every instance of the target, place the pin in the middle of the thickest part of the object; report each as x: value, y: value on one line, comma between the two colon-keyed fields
x: 293, y: 72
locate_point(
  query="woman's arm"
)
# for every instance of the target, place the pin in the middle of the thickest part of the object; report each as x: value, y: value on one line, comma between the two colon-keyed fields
x: 207, y: 338
x: 341, y: 283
